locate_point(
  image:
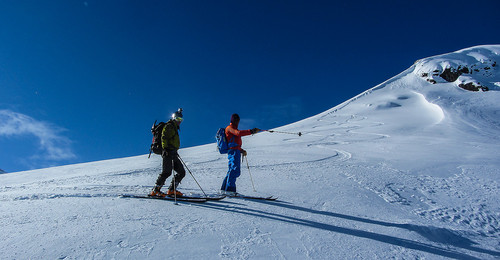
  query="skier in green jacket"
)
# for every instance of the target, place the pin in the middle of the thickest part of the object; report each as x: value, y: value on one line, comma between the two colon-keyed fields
x: 170, y: 144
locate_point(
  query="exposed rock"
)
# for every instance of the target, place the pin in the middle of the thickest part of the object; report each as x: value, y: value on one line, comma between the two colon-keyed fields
x: 451, y: 75
x: 472, y: 87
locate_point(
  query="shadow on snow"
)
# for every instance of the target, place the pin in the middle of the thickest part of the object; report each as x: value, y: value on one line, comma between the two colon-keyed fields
x: 439, y: 235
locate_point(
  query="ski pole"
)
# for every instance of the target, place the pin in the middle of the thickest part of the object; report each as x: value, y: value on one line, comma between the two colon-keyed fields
x: 250, y: 174
x: 192, y: 175
x: 281, y: 132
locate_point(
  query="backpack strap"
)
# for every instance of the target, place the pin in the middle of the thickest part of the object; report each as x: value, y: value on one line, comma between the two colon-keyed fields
x: 231, y: 144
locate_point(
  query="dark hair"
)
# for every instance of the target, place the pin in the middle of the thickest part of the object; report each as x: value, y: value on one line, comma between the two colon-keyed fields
x: 235, y: 118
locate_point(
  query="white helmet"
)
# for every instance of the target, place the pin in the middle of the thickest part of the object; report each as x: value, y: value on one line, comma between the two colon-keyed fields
x: 177, y: 116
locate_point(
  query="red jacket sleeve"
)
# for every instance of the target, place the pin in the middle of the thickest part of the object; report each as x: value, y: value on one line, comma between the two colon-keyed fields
x: 237, y: 132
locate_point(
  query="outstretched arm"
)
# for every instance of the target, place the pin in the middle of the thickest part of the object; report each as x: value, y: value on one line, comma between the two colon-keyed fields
x: 236, y: 132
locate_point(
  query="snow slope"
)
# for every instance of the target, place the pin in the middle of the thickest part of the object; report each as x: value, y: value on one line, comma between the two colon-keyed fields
x: 407, y: 169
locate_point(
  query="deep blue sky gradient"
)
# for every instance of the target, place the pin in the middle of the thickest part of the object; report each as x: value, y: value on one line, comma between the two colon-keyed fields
x: 100, y: 72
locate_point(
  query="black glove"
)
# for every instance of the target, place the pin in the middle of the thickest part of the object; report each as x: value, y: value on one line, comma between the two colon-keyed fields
x: 254, y: 131
x: 243, y: 152
x: 164, y: 153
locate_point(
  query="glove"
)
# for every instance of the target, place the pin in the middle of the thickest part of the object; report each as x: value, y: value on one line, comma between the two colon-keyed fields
x: 243, y: 152
x: 255, y: 130
x: 164, y: 153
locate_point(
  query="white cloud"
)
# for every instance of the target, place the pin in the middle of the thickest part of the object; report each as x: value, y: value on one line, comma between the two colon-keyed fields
x: 53, y: 146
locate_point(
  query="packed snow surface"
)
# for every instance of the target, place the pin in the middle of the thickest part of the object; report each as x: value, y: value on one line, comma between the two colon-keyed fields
x: 405, y: 170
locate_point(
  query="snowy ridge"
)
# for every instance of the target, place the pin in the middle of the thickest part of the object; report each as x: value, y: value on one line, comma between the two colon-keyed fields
x: 407, y: 169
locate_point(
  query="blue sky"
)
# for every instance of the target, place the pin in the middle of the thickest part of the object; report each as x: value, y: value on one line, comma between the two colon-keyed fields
x: 84, y: 80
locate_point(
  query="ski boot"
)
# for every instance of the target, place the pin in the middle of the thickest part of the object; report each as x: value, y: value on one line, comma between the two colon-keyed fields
x: 157, y: 193
x: 230, y: 193
x: 172, y: 192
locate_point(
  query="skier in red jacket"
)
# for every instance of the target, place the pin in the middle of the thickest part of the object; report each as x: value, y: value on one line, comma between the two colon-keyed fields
x: 233, y: 135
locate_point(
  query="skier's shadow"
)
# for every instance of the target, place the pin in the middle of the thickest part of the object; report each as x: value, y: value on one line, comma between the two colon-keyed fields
x: 440, y: 235
x: 434, y: 234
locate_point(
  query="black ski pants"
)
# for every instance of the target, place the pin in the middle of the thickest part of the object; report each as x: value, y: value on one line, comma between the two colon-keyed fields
x: 171, y: 161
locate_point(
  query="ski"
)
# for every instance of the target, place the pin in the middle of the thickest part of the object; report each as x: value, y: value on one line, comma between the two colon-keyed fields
x: 241, y: 196
x: 202, y: 196
x: 185, y: 199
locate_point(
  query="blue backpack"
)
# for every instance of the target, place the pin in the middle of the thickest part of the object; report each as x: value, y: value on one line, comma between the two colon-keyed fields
x: 222, y: 144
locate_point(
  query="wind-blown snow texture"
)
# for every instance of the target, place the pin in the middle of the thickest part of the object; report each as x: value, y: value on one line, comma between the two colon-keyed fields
x: 407, y: 169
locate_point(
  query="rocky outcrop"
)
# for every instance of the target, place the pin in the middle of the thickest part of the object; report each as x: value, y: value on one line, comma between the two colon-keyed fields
x: 472, y: 87
x: 453, y: 74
